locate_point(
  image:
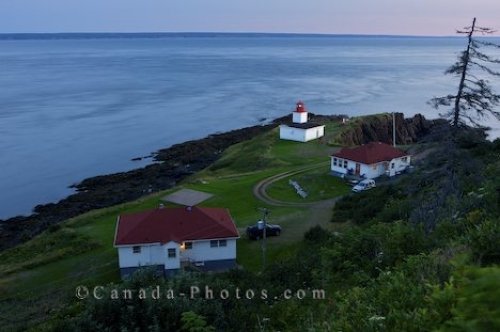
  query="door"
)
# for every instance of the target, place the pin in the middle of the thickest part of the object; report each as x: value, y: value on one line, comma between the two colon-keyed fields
x: 358, y: 168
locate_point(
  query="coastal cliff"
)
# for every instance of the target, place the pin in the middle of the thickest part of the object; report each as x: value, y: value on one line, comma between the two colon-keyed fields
x: 379, y: 128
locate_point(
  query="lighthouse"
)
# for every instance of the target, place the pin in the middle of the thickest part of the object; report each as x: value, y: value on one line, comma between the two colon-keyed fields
x: 300, y: 129
x: 300, y: 113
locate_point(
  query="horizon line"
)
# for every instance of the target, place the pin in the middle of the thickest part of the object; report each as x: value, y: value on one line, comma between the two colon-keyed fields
x: 320, y: 34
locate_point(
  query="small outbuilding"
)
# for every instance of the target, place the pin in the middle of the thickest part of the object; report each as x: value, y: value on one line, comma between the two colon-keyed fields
x: 369, y: 161
x: 300, y: 129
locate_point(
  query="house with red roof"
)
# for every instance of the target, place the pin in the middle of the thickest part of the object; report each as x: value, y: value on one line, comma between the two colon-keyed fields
x: 169, y: 239
x: 369, y: 161
x: 300, y: 129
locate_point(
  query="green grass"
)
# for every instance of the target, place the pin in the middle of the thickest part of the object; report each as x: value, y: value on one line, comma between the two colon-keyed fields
x: 267, y: 151
x: 55, y: 245
x: 39, y: 276
x: 318, y: 184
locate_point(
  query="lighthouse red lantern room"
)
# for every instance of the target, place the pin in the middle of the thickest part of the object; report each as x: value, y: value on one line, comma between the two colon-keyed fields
x: 300, y: 113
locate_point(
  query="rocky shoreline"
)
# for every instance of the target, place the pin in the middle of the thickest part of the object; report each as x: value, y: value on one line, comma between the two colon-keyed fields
x: 174, y: 164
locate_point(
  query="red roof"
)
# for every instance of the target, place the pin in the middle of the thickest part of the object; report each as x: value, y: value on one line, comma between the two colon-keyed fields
x: 174, y: 224
x: 300, y: 108
x: 371, y: 153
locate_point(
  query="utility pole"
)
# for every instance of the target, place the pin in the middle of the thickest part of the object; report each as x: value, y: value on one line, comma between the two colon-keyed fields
x: 394, y: 129
x: 265, y: 213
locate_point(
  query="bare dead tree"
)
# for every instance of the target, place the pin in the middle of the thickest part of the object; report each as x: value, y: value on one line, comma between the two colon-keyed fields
x: 475, y: 99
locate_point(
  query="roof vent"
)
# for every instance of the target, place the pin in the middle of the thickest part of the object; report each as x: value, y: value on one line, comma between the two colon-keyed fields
x: 161, y: 206
x: 189, y: 208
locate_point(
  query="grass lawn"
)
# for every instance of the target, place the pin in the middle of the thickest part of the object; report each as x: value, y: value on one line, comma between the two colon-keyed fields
x: 39, y: 276
x: 267, y: 151
x: 318, y: 184
x: 235, y: 193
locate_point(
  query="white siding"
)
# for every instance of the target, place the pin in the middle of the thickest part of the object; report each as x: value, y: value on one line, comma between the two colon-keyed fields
x: 292, y: 134
x: 301, y: 135
x: 371, y: 171
x: 399, y: 165
x: 202, y: 251
x: 299, y: 117
x: 151, y: 254
x: 156, y: 254
x: 342, y: 169
x: 314, y: 133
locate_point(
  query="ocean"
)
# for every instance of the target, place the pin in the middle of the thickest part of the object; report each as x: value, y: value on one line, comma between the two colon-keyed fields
x: 76, y: 106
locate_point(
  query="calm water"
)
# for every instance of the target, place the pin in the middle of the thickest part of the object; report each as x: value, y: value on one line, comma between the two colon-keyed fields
x: 74, y: 108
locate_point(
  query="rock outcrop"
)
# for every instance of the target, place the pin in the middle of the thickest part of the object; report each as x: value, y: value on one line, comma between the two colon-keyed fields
x: 379, y: 128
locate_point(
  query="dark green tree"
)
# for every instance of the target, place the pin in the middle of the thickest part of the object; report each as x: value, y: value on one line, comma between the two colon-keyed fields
x: 192, y: 322
x: 475, y: 98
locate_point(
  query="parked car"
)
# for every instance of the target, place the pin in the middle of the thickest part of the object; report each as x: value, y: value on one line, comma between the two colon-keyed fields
x: 364, y: 185
x: 255, y: 233
x: 353, y: 182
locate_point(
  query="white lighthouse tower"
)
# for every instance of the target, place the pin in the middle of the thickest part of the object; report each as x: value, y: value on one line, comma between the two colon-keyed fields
x: 300, y: 129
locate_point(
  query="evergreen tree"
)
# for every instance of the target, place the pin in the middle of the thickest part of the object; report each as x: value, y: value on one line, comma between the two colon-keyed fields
x: 475, y: 97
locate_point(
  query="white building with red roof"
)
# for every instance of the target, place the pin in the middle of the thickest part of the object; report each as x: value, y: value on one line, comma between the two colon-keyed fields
x: 370, y: 161
x: 170, y: 238
x: 300, y: 129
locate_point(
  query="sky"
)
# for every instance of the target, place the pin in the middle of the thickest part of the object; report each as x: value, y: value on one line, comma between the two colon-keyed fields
x: 394, y: 17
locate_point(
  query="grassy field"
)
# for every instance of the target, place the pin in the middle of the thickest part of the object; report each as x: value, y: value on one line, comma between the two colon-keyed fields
x: 318, y: 184
x: 267, y: 151
x: 39, y: 276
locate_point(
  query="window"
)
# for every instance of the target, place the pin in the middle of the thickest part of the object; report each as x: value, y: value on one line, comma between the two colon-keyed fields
x: 404, y: 159
x: 334, y: 161
x: 172, y: 253
x: 345, y: 163
x: 218, y: 243
x: 392, y: 165
x: 374, y: 166
x: 136, y: 249
x: 188, y: 245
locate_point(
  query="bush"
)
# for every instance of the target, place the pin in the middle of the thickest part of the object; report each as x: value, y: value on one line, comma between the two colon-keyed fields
x: 360, y: 207
x: 471, y: 300
x: 317, y: 236
x: 484, y: 241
